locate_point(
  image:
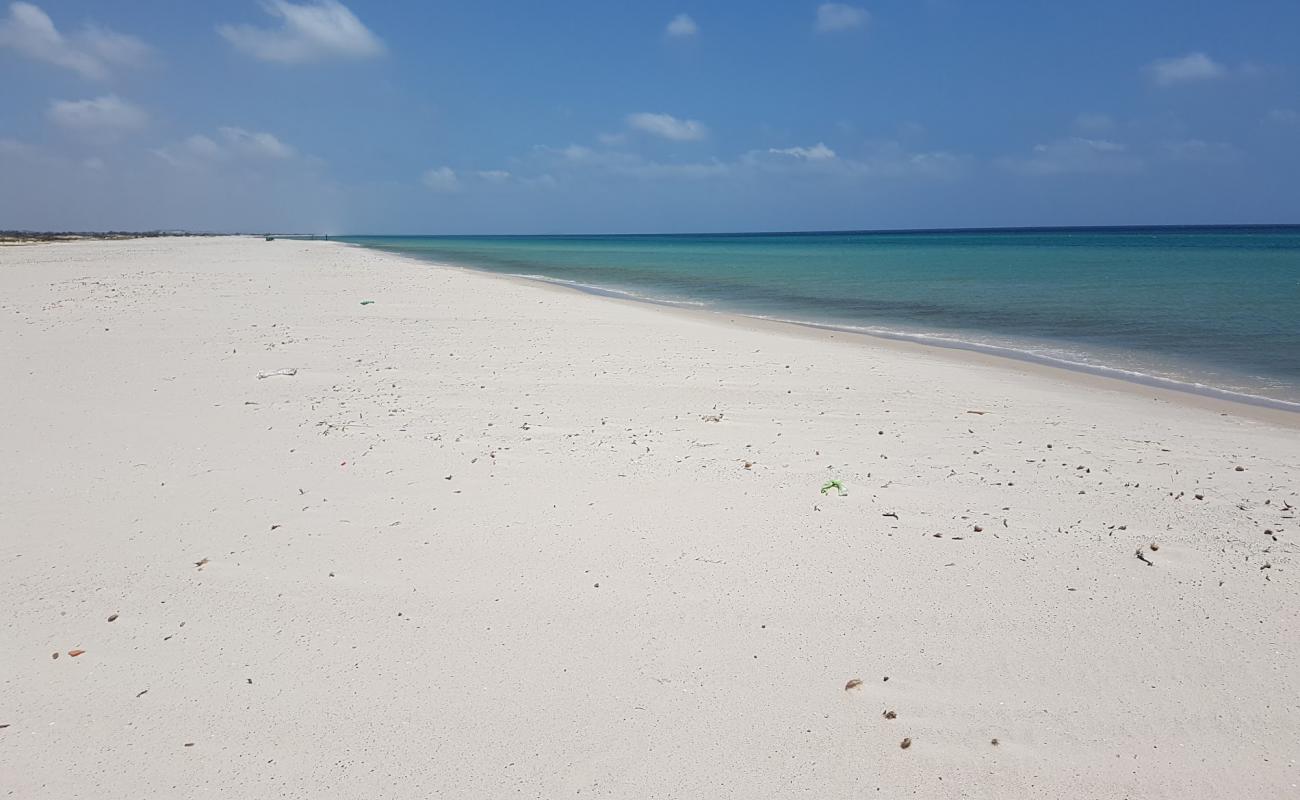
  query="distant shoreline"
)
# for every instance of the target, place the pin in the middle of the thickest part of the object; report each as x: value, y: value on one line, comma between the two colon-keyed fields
x: 42, y: 237
x: 31, y: 236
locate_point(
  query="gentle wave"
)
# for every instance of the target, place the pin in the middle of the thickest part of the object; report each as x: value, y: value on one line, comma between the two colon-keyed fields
x: 1204, y: 311
x: 1033, y: 357
x: 606, y: 291
x: 952, y: 343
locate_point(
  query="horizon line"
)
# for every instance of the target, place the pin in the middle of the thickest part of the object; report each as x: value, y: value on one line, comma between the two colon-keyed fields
x: 842, y: 232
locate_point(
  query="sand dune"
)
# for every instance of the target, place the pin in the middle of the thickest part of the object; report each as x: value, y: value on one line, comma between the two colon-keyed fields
x: 496, y: 539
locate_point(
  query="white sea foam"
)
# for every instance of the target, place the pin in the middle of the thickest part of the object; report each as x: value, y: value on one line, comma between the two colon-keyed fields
x: 612, y: 292
x: 1076, y: 364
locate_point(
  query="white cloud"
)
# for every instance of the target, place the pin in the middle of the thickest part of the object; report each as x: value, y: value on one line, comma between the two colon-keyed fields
x: 1075, y: 154
x: 1184, y: 69
x: 612, y: 162
x: 228, y: 144
x: 105, y: 116
x: 832, y: 17
x: 441, y: 179
x: 92, y: 52
x: 494, y: 175
x: 575, y: 152
x: 668, y: 126
x: 203, y: 147
x: 818, y: 152
x: 879, y: 160
x: 682, y: 27
x: 255, y: 144
x: 308, y: 32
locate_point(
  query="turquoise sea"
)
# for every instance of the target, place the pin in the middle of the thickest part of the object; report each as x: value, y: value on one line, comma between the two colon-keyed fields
x: 1214, y: 310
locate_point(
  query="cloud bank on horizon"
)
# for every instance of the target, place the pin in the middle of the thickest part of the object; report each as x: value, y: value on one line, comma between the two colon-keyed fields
x: 503, y: 117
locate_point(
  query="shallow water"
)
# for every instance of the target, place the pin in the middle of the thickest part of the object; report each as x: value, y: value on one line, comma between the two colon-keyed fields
x: 1209, y: 309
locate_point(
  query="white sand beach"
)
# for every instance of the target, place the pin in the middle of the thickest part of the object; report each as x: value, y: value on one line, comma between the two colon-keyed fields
x: 500, y: 539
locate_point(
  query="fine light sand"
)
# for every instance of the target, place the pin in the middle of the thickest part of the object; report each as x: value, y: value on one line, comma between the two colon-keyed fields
x: 495, y: 539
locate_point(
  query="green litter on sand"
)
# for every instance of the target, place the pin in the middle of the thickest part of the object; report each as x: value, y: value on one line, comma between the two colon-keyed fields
x: 834, y: 485
x: 367, y: 302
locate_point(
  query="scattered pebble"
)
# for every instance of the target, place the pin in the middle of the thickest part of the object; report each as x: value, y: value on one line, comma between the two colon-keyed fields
x: 994, y: 742
x: 906, y: 743
x: 112, y: 617
x: 142, y: 693
x: 891, y: 714
x: 75, y: 653
x: 853, y: 684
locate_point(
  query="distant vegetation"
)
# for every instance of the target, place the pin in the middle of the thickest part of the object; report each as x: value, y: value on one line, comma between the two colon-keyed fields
x: 20, y: 237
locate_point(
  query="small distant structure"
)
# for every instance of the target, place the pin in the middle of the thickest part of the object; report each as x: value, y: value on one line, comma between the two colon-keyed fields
x: 271, y: 237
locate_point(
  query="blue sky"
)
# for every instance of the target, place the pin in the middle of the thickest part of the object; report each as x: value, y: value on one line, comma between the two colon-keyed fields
x: 528, y: 117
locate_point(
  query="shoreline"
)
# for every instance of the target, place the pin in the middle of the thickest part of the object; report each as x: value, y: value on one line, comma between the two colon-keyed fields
x: 1259, y: 408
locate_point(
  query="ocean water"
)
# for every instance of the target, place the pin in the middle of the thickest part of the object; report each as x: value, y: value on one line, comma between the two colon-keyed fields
x: 1214, y: 310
